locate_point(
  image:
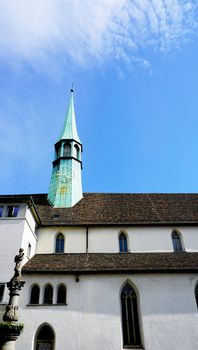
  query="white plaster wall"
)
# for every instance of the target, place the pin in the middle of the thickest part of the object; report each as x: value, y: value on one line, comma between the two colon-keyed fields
x: 92, y: 318
x: 151, y: 239
x: 75, y: 239
x: 141, y: 239
x: 11, y: 232
x: 190, y: 238
x: 28, y: 237
x: 106, y: 239
x: 30, y: 219
x: 15, y: 233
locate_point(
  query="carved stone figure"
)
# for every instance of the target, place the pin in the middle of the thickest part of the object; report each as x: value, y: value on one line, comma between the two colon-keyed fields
x: 18, y: 261
x: 14, y: 286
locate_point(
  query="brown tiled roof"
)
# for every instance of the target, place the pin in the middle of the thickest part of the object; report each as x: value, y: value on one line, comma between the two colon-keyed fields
x: 112, y: 263
x: 117, y: 209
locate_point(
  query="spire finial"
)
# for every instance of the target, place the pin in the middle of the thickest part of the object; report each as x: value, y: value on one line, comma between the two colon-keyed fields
x: 72, y: 88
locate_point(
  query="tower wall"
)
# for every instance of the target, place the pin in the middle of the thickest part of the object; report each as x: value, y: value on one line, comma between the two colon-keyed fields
x: 66, y: 186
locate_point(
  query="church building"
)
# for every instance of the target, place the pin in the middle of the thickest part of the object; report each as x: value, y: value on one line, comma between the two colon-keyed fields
x: 106, y: 271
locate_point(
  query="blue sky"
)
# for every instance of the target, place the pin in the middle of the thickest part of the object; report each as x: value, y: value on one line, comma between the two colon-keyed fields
x: 134, y: 67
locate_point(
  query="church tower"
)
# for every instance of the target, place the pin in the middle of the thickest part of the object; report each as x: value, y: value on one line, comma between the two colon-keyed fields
x: 66, y: 186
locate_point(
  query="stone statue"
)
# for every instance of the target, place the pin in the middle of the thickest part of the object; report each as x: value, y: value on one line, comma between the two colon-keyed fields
x: 18, y: 261
x: 14, y: 286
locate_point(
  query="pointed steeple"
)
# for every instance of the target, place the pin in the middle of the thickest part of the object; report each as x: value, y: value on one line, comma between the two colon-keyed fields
x: 66, y: 186
x: 69, y: 130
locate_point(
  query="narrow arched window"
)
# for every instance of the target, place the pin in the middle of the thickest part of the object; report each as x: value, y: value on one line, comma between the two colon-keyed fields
x: 48, y: 295
x: 61, y: 295
x: 76, y: 151
x: 34, y: 295
x: 45, y: 339
x: 67, y: 150
x: 123, y: 243
x: 130, y: 318
x: 58, y: 151
x: 60, y: 243
x: 29, y: 250
x: 177, y: 245
x: 196, y: 294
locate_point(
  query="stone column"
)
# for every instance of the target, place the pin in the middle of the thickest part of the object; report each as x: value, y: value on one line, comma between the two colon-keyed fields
x: 10, y: 329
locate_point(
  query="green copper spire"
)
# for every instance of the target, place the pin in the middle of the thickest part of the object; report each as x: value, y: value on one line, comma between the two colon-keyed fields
x: 65, y: 186
x: 69, y: 130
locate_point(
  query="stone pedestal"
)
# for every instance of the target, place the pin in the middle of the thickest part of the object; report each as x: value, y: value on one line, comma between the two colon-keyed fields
x: 11, y: 314
x: 8, y: 345
x: 8, y: 337
x: 10, y: 329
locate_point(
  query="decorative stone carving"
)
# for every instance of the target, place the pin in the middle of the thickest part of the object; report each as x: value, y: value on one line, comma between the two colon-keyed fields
x: 14, y: 286
x: 18, y: 261
x: 11, y: 314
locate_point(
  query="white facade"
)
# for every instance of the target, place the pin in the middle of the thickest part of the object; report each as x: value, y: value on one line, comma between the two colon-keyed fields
x: 15, y: 232
x: 75, y: 239
x: 92, y: 317
x: 106, y: 239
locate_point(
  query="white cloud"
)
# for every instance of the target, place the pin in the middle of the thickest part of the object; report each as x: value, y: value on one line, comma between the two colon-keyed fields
x: 82, y: 31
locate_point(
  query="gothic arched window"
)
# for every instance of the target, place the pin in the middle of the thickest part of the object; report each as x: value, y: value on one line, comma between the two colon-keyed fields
x: 48, y: 294
x: 58, y: 151
x: 123, y: 243
x: 67, y: 150
x: 176, y: 239
x: 34, y: 295
x: 44, y: 339
x: 60, y: 243
x: 196, y: 294
x: 61, y: 294
x: 130, y: 318
x: 29, y: 250
x: 76, y: 151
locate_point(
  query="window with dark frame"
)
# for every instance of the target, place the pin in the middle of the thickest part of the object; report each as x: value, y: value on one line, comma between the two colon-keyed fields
x: 45, y: 339
x: 76, y: 151
x: 130, y: 318
x: 29, y: 250
x: 60, y: 243
x: 61, y: 294
x: 67, y: 150
x: 12, y: 210
x: 48, y: 295
x: 58, y: 151
x: 196, y: 294
x: 123, y: 243
x: 2, y: 289
x: 1, y: 211
x: 34, y: 296
x: 177, y: 245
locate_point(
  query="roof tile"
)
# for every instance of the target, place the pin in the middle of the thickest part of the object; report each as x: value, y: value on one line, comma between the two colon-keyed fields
x: 112, y: 263
x: 117, y: 209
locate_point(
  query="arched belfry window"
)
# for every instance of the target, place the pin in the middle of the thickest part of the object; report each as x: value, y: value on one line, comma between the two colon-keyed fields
x: 60, y: 243
x: 130, y: 318
x: 44, y: 339
x: 48, y: 295
x: 196, y: 294
x: 34, y: 295
x: 67, y: 150
x: 58, y: 151
x: 76, y: 151
x: 176, y: 239
x: 123, y: 246
x: 61, y: 294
